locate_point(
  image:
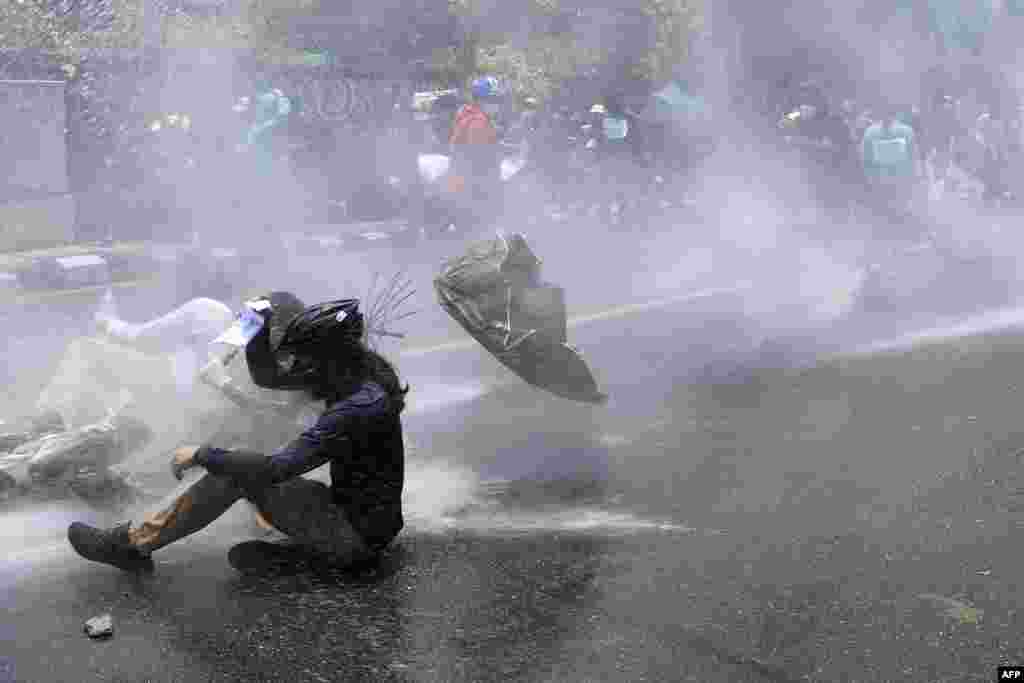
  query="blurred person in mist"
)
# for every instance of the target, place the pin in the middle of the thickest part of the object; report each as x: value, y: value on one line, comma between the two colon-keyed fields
x: 620, y: 153
x: 891, y: 163
x: 994, y: 135
x: 443, y: 112
x: 525, y: 124
x: 476, y: 155
x: 940, y: 139
x: 321, y: 354
x: 826, y: 146
x: 263, y: 194
x: 549, y: 150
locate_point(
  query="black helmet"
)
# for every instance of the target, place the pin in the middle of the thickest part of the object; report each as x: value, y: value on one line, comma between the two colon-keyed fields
x: 318, y: 330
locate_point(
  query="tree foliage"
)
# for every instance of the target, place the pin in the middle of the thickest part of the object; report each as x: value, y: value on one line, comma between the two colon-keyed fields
x: 507, y: 37
x: 677, y: 23
x: 534, y: 65
x: 71, y: 29
x: 65, y: 30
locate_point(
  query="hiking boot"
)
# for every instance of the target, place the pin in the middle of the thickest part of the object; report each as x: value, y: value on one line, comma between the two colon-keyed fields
x: 110, y: 546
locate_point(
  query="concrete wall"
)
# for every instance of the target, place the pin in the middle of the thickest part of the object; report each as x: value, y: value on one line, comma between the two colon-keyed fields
x: 37, y: 223
x: 35, y: 209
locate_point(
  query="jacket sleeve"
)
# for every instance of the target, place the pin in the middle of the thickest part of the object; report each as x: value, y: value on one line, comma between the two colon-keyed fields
x: 308, y: 451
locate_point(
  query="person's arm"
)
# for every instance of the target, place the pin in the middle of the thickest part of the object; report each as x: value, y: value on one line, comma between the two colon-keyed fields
x: 308, y: 451
x: 327, y: 439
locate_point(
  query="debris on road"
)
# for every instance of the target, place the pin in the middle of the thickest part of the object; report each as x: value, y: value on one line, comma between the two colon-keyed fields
x: 951, y: 608
x: 100, y: 627
x: 495, y: 292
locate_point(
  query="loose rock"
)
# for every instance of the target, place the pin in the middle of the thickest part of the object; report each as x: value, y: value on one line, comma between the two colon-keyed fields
x: 100, y: 627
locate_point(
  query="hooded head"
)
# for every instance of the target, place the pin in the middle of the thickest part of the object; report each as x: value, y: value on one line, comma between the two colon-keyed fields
x: 322, y: 349
x: 267, y: 368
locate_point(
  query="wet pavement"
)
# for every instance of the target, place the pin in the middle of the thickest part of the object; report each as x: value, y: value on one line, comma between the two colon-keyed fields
x: 856, y: 521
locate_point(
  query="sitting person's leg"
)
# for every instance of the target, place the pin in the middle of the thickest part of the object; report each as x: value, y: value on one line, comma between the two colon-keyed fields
x: 305, y: 511
x: 128, y: 546
x: 204, y: 501
x: 300, y: 508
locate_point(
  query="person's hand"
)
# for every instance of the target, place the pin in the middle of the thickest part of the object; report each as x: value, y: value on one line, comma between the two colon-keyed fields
x: 183, y: 459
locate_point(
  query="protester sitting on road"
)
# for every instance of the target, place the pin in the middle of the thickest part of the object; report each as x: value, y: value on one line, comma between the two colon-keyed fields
x: 323, y: 353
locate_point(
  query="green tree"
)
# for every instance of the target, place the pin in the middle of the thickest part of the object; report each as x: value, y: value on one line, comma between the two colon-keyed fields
x: 677, y: 23
x: 536, y: 63
x: 497, y: 38
x: 258, y: 25
x: 38, y: 26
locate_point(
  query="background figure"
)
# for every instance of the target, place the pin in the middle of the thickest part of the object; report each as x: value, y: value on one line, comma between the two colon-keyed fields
x: 270, y: 198
x: 621, y: 150
x: 993, y: 134
x: 476, y: 155
x: 891, y: 165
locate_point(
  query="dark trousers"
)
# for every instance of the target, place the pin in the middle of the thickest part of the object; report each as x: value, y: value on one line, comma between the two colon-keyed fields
x: 300, y: 508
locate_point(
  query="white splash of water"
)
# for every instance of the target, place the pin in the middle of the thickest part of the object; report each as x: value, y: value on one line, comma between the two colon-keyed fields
x: 569, y: 519
x: 442, y: 496
x: 435, y: 490
x: 989, y: 322
x: 36, y: 525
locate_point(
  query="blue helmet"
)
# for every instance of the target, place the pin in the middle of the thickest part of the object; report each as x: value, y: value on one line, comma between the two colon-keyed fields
x: 484, y: 87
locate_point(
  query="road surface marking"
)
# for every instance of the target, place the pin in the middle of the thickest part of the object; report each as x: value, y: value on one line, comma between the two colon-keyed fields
x: 577, y: 321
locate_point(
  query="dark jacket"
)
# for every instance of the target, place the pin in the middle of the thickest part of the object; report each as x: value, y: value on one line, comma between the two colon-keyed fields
x: 361, y: 437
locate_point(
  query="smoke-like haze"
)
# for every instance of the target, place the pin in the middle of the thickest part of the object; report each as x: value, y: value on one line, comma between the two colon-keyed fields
x: 758, y: 226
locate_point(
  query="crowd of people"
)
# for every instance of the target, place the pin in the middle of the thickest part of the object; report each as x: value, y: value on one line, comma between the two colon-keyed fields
x: 884, y: 158
x: 606, y: 153
x: 872, y: 161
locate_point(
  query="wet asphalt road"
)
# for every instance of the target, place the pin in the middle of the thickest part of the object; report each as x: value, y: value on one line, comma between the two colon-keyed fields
x: 770, y: 526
